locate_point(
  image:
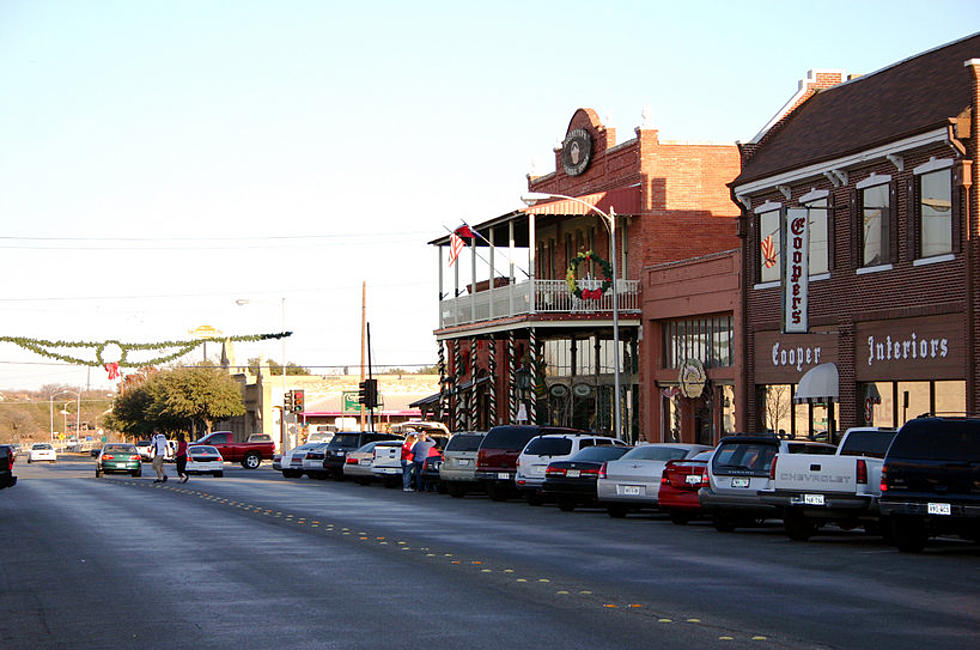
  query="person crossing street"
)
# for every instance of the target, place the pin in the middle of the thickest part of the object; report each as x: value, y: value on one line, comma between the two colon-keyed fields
x: 160, y: 448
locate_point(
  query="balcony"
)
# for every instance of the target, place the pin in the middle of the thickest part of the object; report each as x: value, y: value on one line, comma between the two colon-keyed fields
x: 547, y: 297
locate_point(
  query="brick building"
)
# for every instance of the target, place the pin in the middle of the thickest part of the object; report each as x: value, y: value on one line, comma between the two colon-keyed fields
x: 524, y: 346
x: 859, y: 248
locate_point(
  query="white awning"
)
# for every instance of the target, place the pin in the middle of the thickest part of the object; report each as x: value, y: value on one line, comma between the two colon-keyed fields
x: 819, y: 384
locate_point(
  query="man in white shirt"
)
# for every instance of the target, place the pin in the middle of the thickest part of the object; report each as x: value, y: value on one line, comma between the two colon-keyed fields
x: 160, y: 448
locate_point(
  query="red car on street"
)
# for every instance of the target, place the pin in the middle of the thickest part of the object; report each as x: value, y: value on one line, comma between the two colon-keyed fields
x: 679, y: 487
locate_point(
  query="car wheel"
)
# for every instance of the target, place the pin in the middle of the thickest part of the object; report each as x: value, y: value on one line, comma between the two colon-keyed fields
x: 909, y: 534
x: 29, y: 461
x: 218, y: 474
x: 565, y: 504
x: 251, y: 461
x: 797, y: 527
x: 617, y: 511
x: 680, y: 518
x: 722, y: 524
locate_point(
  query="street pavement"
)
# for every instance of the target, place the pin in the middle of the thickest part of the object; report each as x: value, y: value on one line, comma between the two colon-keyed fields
x: 253, y: 560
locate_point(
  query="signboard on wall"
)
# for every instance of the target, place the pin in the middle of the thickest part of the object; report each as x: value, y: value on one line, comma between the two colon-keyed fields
x: 796, y: 272
x: 784, y: 358
x: 930, y: 347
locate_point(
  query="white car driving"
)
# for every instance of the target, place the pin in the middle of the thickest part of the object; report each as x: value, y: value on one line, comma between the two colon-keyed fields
x: 42, y: 451
x: 205, y: 459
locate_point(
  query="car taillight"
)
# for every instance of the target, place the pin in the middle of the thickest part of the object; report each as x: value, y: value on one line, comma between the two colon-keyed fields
x: 602, y: 471
x: 705, y: 481
x: 862, y: 472
x: 590, y: 472
x: 884, y: 477
x: 772, y: 468
x: 351, y: 461
x: 107, y: 457
x: 555, y: 471
x: 664, y: 480
x: 136, y: 457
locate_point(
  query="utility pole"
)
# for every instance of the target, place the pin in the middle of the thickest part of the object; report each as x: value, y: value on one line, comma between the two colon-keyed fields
x: 363, y: 340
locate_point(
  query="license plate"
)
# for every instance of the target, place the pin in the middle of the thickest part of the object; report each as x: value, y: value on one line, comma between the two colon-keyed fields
x: 692, y: 479
x: 573, y: 473
x: 939, y: 509
x: 365, y: 461
x: 463, y: 461
x: 632, y: 490
x: 813, y: 499
x: 503, y: 476
x: 740, y: 482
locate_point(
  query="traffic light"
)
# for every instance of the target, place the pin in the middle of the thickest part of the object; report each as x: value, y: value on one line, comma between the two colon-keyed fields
x: 368, y: 393
x: 287, y: 401
x: 372, y: 393
x: 299, y: 404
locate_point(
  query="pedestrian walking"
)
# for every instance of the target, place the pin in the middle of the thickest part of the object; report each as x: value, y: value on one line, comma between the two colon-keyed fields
x: 181, y: 458
x: 159, y: 447
x: 420, y: 451
x: 407, y: 463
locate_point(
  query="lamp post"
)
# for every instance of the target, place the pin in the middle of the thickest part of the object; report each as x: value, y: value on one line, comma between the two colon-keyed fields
x: 530, y: 198
x: 78, y: 412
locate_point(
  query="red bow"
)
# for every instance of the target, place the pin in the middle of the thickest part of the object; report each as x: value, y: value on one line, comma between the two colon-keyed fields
x: 113, y: 370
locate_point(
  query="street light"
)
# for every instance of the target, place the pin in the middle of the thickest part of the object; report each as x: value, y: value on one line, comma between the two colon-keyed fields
x: 530, y: 198
x: 78, y: 412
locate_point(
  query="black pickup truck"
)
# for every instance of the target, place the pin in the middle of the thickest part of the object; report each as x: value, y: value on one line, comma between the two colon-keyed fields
x: 7, y: 456
x: 930, y: 482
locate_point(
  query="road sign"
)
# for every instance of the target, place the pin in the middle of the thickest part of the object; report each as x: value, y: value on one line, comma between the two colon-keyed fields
x: 350, y: 403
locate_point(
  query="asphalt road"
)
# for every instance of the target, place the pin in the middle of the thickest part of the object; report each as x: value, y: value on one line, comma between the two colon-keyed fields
x: 253, y: 560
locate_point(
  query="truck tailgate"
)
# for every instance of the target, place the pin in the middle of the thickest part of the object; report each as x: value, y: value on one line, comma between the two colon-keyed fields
x: 814, y: 473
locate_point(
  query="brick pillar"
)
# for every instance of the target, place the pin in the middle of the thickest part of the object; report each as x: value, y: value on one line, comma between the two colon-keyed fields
x: 972, y: 248
x: 850, y: 403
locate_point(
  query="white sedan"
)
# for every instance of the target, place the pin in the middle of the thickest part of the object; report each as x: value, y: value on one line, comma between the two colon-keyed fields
x: 205, y: 459
x: 42, y: 451
x: 632, y: 482
x: 292, y: 460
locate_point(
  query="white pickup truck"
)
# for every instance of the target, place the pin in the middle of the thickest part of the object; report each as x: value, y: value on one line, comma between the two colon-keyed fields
x: 843, y: 489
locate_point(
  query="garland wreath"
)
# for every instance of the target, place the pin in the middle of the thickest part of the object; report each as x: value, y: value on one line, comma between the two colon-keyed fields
x: 588, y: 294
x: 113, y: 354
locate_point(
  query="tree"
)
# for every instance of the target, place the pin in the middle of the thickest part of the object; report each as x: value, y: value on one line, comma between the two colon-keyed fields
x: 185, y: 398
x: 275, y: 369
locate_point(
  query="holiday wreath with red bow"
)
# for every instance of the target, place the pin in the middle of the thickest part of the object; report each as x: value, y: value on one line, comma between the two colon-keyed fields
x: 606, y: 276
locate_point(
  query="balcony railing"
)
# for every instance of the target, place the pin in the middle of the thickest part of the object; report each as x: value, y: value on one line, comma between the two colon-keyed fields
x: 550, y: 296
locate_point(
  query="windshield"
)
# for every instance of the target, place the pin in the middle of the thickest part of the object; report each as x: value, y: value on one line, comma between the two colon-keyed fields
x: 549, y: 447
x: 649, y: 452
x: 600, y: 454
x: 203, y: 450
x: 867, y: 443
x: 42, y: 445
x: 464, y: 442
x: 938, y: 439
x: 744, y: 456
x: 120, y: 449
x: 347, y: 440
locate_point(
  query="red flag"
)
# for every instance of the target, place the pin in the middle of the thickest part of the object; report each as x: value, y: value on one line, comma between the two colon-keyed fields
x: 455, y: 246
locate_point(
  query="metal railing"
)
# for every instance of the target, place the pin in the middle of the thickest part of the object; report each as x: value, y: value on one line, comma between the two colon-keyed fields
x: 550, y: 296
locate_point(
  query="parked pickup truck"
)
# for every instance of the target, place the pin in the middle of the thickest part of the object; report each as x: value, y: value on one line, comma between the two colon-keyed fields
x: 249, y: 454
x: 843, y: 489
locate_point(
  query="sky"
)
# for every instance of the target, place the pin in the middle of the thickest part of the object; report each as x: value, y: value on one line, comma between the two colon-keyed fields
x: 162, y: 162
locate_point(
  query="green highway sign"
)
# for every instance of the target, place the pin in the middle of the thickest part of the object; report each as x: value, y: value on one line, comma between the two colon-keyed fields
x: 350, y: 403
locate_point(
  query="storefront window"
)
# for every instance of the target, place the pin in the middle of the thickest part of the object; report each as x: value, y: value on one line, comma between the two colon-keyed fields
x: 877, y: 401
x: 558, y: 357
x: 709, y: 340
x: 913, y: 399
x: 777, y: 408
x: 727, y: 409
x: 950, y: 397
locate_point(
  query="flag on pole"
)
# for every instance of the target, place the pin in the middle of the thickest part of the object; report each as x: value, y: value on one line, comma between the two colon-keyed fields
x: 456, y: 245
x: 465, y: 231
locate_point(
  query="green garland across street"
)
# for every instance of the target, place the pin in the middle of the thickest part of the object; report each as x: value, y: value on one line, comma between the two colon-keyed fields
x: 116, y: 352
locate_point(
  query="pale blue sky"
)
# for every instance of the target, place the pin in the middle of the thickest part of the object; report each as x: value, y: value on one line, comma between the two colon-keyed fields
x: 355, y: 132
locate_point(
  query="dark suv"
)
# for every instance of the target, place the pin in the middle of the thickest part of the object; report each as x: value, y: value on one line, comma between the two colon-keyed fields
x: 7, y: 456
x: 930, y: 483
x: 496, y: 461
x: 345, y: 442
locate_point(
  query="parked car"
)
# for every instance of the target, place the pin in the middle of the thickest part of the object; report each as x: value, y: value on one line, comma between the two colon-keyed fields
x: 633, y: 481
x: 572, y: 482
x: 145, y: 449
x: 457, y: 473
x: 249, y: 454
x: 431, y: 481
x: 679, y: 486
x: 811, y: 490
x: 7, y: 459
x: 313, y: 460
x: 496, y: 462
x: 739, y: 469
x: 345, y: 442
x: 205, y: 459
x: 118, y: 458
x: 543, y: 450
x: 42, y: 451
x: 387, y: 463
x: 291, y: 462
x: 930, y: 479
x: 359, y: 463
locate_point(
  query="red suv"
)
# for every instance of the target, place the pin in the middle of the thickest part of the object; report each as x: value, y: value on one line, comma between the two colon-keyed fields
x: 496, y: 461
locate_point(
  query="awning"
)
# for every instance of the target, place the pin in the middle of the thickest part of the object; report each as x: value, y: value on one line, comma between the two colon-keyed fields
x: 425, y: 401
x: 434, y: 398
x: 819, y: 384
x: 625, y: 200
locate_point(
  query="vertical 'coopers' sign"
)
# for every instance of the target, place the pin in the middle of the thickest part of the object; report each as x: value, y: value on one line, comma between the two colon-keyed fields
x: 796, y: 280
